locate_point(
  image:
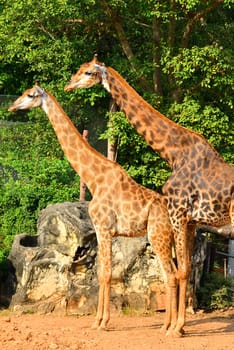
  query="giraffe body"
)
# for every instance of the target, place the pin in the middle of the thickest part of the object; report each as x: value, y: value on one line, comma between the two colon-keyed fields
x: 119, y: 205
x: 201, y: 187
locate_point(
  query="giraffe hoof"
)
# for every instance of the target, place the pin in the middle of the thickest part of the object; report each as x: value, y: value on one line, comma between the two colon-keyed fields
x: 163, y: 329
x: 95, y: 325
x: 177, y: 333
x: 173, y: 332
x: 169, y: 332
x: 182, y: 331
x: 102, y: 328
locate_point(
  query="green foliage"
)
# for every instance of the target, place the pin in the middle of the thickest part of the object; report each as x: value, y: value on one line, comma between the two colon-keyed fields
x: 178, y: 55
x: 134, y: 154
x: 33, y: 174
x: 215, y: 293
x: 48, y: 181
x: 205, y: 73
x: 37, y: 185
x: 209, y: 121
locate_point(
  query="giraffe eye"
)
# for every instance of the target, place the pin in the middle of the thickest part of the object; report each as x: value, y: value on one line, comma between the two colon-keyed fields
x: 30, y: 95
x: 88, y: 73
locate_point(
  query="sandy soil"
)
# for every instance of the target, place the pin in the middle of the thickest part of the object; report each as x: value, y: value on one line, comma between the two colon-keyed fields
x: 213, y: 331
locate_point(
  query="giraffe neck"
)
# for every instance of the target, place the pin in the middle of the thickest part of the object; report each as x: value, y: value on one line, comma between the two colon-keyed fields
x: 85, y: 160
x: 173, y: 142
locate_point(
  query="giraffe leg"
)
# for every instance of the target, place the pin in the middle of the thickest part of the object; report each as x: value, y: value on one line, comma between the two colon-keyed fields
x: 161, y: 238
x: 171, y: 304
x: 184, y: 268
x: 104, y: 279
x: 106, y: 305
x: 103, y: 310
x: 178, y: 329
x: 98, y: 318
x: 168, y: 313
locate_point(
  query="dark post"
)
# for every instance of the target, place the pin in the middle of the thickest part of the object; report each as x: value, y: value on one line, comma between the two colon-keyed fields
x: 111, y: 146
x: 82, y: 184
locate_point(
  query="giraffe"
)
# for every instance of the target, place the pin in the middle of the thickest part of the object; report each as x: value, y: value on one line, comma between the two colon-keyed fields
x: 200, y: 189
x: 119, y: 206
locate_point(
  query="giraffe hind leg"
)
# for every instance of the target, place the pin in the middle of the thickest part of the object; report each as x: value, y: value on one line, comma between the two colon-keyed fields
x: 171, y: 304
x: 184, y: 259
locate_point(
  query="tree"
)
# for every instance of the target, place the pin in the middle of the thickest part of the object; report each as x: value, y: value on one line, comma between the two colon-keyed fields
x: 188, y: 74
x: 176, y: 53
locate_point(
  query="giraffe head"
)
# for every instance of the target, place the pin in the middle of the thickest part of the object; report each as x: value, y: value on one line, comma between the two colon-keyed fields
x: 89, y: 74
x: 31, y: 98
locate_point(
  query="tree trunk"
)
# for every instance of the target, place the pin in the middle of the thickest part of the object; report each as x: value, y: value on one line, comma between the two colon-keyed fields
x: 157, y: 78
x: 116, y: 22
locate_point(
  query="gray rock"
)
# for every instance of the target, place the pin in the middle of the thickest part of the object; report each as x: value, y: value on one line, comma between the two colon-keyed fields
x: 56, y: 270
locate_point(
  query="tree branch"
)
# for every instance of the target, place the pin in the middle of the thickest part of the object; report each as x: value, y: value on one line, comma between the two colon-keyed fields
x: 43, y: 29
x: 115, y: 19
x: 225, y: 231
x: 195, y: 18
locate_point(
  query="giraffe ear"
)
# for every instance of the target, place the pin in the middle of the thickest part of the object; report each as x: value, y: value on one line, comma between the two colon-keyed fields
x: 101, y: 67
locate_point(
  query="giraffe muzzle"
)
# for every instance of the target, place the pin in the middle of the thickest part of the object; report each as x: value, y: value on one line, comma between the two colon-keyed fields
x: 12, y: 108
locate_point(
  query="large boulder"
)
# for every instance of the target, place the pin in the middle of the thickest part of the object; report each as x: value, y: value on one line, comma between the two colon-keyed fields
x: 56, y: 270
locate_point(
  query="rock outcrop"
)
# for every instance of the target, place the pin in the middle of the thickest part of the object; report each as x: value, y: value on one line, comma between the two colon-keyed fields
x: 56, y: 270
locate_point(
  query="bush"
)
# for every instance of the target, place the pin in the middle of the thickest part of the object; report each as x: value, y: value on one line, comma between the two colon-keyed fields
x: 215, y: 292
x: 36, y: 185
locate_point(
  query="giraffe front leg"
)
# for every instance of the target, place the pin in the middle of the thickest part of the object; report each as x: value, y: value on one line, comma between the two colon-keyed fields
x: 104, y: 279
x: 106, y: 306
x: 161, y: 238
x: 103, y: 310
x: 98, y: 318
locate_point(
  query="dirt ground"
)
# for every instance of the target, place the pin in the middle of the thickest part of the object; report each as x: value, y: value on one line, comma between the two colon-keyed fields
x: 213, y: 331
